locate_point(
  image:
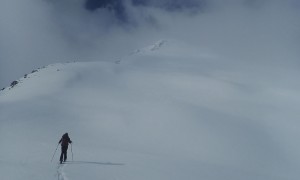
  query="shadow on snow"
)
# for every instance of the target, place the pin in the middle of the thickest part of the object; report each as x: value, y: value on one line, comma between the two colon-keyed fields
x: 97, y: 163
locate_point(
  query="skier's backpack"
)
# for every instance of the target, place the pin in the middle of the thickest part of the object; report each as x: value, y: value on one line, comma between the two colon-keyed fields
x: 64, y: 141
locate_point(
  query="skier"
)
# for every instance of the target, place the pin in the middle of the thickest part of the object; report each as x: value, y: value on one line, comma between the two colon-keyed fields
x: 65, y: 140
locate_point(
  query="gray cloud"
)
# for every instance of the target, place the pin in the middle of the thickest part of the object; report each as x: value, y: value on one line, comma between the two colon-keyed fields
x: 114, y: 6
x: 118, y: 5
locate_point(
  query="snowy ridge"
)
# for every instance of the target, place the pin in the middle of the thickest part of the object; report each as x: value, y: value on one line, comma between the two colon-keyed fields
x: 159, y: 44
x: 167, y: 112
x: 169, y: 49
x: 155, y: 47
x: 35, y: 81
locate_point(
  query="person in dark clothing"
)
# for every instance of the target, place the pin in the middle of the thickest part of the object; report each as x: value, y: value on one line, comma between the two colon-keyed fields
x: 64, y: 141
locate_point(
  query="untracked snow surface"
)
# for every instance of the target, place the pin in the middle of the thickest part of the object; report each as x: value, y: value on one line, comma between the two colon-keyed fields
x: 170, y: 111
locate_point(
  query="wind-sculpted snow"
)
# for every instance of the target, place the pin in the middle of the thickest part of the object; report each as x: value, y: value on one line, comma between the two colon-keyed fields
x: 169, y: 111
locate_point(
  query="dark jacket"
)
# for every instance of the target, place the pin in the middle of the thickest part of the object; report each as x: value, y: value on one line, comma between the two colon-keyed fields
x: 65, y: 140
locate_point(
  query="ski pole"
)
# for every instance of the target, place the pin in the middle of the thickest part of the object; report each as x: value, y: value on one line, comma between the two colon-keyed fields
x: 54, y: 152
x: 72, y: 151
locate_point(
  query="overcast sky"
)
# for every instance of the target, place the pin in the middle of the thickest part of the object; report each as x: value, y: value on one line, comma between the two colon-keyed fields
x: 34, y: 33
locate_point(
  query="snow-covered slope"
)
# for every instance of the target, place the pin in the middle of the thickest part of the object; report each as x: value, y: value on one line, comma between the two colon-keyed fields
x: 167, y: 111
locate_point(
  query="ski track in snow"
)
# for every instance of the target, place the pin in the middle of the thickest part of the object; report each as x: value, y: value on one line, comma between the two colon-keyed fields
x: 61, y: 175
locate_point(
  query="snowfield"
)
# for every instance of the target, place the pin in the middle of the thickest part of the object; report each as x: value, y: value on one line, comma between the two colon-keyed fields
x: 170, y: 111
